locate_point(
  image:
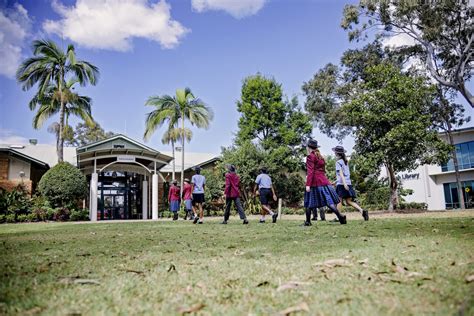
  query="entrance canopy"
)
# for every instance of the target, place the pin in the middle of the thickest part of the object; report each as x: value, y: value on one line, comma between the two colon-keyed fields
x: 120, y: 153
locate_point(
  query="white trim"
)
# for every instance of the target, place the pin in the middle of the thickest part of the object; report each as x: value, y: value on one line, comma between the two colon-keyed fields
x: 133, y: 162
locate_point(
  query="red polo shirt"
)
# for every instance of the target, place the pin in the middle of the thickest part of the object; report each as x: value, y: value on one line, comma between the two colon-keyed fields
x: 316, y: 173
x: 187, y: 191
x: 232, y: 181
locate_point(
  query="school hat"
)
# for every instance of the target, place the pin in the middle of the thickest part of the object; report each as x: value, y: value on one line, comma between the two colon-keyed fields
x: 339, y: 150
x: 197, y: 168
x: 264, y: 170
x: 312, y: 143
x: 175, y: 181
x: 186, y: 180
x: 231, y: 168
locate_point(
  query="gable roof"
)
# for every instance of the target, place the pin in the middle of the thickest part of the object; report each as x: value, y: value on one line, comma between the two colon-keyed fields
x: 22, y: 156
x: 113, y: 138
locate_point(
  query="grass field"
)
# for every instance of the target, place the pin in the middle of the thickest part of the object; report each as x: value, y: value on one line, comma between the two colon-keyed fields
x: 408, y: 265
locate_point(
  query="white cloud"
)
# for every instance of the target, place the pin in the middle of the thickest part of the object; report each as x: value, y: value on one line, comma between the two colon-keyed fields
x: 14, y: 30
x: 7, y: 137
x: 399, y: 40
x: 112, y: 24
x: 236, y: 8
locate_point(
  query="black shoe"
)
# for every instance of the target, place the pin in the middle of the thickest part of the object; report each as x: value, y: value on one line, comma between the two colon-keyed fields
x: 365, y: 215
x: 224, y: 223
x: 307, y: 224
x: 274, y: 217
x: 195, y: 220
x: 314, y: 219
x: 200, y: 222
x: 262, y: 221
x: 245, y: 222
x: 335, y: 220
x: 343, y: 220
x: 175, y: 216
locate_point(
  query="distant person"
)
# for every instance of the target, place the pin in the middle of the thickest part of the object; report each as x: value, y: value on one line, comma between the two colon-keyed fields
x: 232, y: 193
x: 319, y: 191
x: 173, y: 199
x: 198, y: 182
x: 344, y: 187
x: 264, y: 189
x: 187, y: 198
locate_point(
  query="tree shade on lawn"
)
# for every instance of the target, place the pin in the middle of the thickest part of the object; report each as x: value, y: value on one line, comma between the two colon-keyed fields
x: 175, y: 111
x: 401, y: 266
x: 51, y: 66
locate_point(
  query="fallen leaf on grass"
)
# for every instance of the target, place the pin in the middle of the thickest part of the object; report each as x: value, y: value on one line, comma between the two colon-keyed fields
x: 86, y: 281
x: 333, y: 263
x: 301, y: 307
x: 264, y: 283
x: 470, y: 278
x: 290, y: 285
x: 191, y: 309
x: 363, y: 261
x: 86, y: 254
x: 343, y: 300
x: 172, y: 267
x: 134, y: 271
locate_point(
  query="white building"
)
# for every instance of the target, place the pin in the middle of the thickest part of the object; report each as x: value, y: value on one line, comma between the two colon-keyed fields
x: 436, y: 185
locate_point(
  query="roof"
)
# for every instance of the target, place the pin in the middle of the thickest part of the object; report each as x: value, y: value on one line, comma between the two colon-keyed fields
x: 461, y: 130
x: 44, y: 153
x: 112, y: 138
x: 191, y: 160
x: 18, y: 154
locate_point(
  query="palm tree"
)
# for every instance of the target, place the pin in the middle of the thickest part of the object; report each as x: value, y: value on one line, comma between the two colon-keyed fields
x: 51, y: 66
x: 173, y: 135
x: 49, y: 104
x: 176, y: 110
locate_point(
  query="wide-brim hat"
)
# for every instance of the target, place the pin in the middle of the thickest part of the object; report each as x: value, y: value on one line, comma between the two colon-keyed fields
x: 231, y: 168
x: 312, y: 143
x: 339, y: 150
x: 186, y: 180
x: 197, y: 168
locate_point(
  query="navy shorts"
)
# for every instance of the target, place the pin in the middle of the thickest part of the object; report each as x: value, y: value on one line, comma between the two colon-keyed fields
x: 198, y: 198
x: 265, y: 196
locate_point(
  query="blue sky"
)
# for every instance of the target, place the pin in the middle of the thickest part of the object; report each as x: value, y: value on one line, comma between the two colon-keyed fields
x: 207, y: 45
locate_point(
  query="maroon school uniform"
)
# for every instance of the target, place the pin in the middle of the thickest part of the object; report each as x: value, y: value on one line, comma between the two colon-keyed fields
x: 232, y: 181
x: 173, y: 194
x: 316, y: 173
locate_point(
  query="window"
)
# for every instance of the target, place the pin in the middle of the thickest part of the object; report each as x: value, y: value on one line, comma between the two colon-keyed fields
x: 451, y: 196
x: 465, y: 155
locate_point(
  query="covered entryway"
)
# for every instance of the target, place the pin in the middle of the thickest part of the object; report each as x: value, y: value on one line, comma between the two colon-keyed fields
x: 119, y: 171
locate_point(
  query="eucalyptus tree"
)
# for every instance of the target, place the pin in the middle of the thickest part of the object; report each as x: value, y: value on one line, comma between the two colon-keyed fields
x: 175, y: 110
x: 50, y: 67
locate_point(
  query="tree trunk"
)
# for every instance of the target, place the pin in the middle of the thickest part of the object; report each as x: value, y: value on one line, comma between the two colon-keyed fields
x: 393, y: 203
x: 182, y: 150
x: 174, y: 162
x: 60, y: 146
x: 462, y: 203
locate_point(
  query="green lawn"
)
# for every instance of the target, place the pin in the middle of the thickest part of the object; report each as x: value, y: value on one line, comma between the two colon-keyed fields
x: 411, y: 265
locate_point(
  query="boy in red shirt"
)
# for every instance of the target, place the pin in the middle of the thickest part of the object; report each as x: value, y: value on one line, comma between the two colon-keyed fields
x: 173, y: 199
x: 232, y: 193
x: 187, y: 198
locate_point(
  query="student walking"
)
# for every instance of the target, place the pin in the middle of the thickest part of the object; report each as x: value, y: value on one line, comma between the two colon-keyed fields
x: 232, y: 193
x: 319, y: 191
x: 264, y: 189
x: 187, y: 198
x: 173, y: 199
x: 344, y: 187
x: 199, y: 182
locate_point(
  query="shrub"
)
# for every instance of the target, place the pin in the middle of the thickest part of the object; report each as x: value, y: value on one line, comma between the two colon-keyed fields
x: 15, y: 202
x: 2, y: 218
x: 413, y: 206
x: 10, y: 218
x: 31, y: 218
x: 79, y: 215
x: 63, y: 185
x: 22, y: 218
x: 61, y: 214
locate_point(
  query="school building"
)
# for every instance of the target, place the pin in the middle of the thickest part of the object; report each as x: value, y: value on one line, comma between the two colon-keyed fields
x: 436, y: 185
x: 126, y: 178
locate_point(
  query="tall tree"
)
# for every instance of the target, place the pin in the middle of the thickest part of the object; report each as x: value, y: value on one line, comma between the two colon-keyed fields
x: 51, y: 66
x: 392, y: 123
x: 173, y: 135
x: 447, y: 116
x: 441, y: 32
x: 48, y: 104
x: 84, y: 134
x: 175, y: 110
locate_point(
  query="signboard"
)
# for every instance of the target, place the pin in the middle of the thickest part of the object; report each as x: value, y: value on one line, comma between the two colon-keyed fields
x: 125, y: 158
x: 467, y: 189
x: 411, y: 176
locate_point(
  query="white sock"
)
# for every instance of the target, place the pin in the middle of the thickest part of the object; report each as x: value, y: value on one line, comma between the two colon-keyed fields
x: 271, y: 213
x: 262, y: 218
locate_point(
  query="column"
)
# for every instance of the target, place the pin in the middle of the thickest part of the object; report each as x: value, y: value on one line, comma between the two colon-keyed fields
x: 145, y: 199
x: 154, y: 196
x: 93, y: 197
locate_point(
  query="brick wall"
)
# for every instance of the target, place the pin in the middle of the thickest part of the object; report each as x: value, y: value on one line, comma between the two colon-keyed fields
x: 3, y: 167
x: 10, y: 185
